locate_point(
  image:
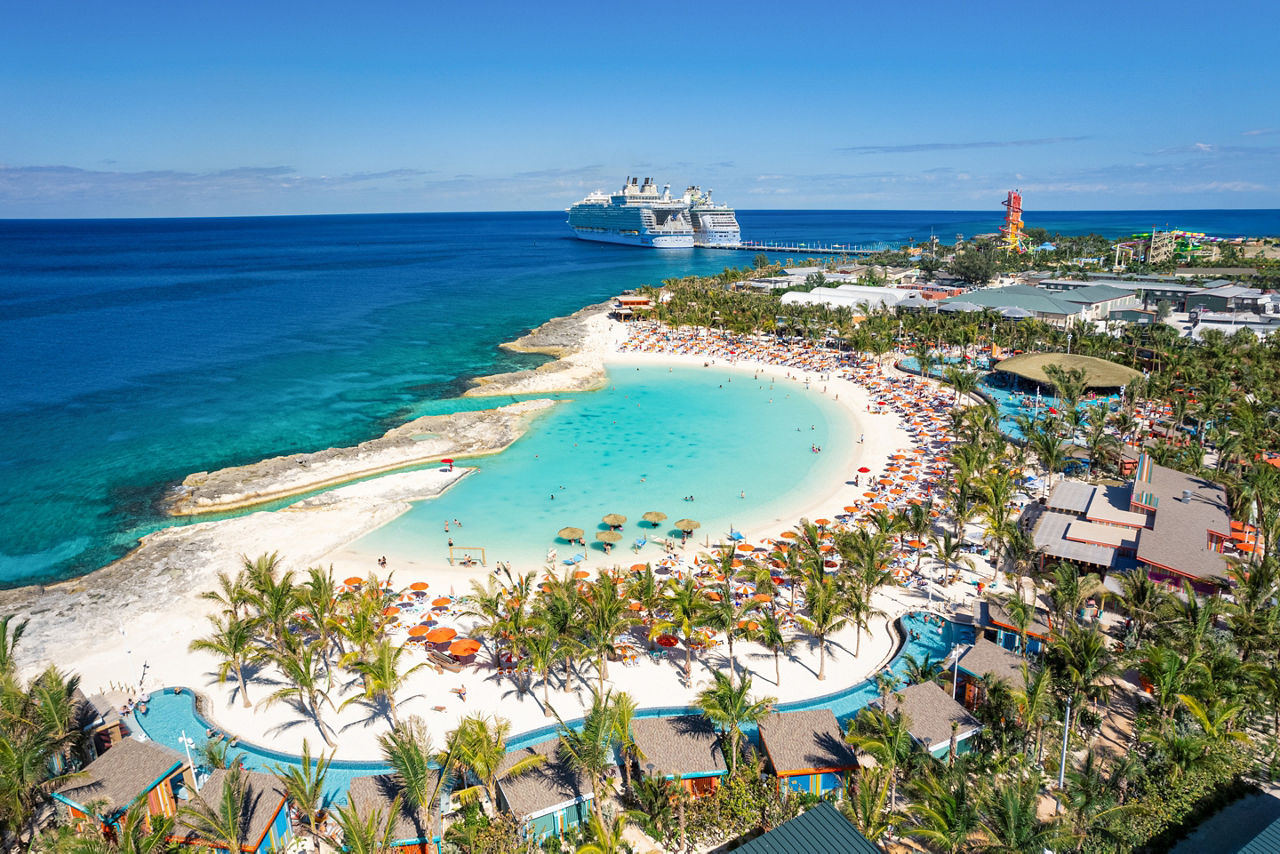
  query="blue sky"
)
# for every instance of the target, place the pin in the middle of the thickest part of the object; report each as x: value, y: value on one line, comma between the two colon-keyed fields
x: 179, y: 108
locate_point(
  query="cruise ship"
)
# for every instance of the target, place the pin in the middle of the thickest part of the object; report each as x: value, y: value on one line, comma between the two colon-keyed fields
x: 713, y: 225
x: 637, y: 215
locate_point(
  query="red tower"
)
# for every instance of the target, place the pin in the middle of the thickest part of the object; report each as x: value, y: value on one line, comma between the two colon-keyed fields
x: 1012, y: 228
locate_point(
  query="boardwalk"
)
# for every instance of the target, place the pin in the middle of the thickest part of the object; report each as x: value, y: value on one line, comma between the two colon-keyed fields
x: 806, y: 248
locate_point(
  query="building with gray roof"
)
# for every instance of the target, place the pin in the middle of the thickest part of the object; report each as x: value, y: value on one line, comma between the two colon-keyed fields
x: 411, y: 827
x: 685, y: 748
x: 549, y: 798
x: 930, y: 714
x: 806, y: 750
x: 127, y: 772
x: 819, y: 830
x: 264, y: 821
x: 1050, y: 308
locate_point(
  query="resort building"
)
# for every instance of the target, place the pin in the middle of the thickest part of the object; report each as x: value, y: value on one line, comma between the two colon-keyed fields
x: 851, y: 296
x: 806, y: 751
x: 414, y: 831
x: 1175, y: 526
x: 685, y: 748
x: 130, y: 771
x: 997, y: 625
x: 548, y: 799
x: 819, y: 830
x: 264, y: 818
x: 933, y: 718
x: 100, y: 721
x: 983, y: 663
x: 1018, y: 301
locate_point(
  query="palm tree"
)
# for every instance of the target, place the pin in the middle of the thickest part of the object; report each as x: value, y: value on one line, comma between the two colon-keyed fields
x: 868, y: 805
x: 772, y: 637
x: 1034, y: 701
x: 541, y: 653
x: 729, y: 706
x: 606, y: 835
x: 478, y: 746
x: 232, y: 593
x: 305, y: 784
x: 371, y: 833
x: 408, y: 750
x: 383, y: 678
x: 1144, y: 600
x: 647, y: 589
x: 951, y: 552
x: 725, y: 616
x: 1082, y: 661
x: 1010, y: 819
x: 306, y: 683
x: 232, y: 641
x: 135, y: 832
x: 687, y: 604
x: 624, y: 712
x: 827, y: 607
x: 887, y: 738
x: 945, y: 816
x: 916, y: 671
x: 589, y: 750
x: 604, y: 617
x: 1093, y: 798
x: 224, y: 822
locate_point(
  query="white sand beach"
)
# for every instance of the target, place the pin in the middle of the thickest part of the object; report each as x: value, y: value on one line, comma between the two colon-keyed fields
x: 143, y: 641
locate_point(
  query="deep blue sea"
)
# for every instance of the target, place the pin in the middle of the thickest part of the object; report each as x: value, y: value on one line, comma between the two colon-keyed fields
x: 133, y: 352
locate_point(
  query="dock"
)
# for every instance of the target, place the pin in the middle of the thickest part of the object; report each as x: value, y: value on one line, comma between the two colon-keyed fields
x: 806, y: 248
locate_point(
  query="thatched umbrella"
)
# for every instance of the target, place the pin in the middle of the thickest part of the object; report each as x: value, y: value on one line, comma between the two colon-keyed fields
x: 570, y: 534
x: 653, y: 517
x: 608, y: 538
x: 687, y: 525
x: 614, y: 520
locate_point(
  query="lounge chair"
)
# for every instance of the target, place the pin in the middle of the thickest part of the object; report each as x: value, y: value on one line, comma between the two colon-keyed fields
x: 441, y: 660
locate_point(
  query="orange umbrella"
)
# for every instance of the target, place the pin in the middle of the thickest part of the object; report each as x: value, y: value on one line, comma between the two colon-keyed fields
x: 418, y: 585
x: 418, y: 631
x: 762, y: 597
x: 868, y: 495
x: 391, y: 611
x: 442, y: 601
x: 790, y: 535
x: 822, y: 521
x: 638, y: 567
x: 713, y: 596
x: 581, y: 573
x: 745, y: 547
x: 464, y: 647
x: 440, y: 634
x: 879, y: 505
x: 737, y: 564
x: 749, y: 625
x: 354, y: 581
x: 634, y: 606
x: 850, y: 509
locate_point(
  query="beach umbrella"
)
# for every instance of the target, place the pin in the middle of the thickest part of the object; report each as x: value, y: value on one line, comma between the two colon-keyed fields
x: 570, y: 534
x: 639, y: 567
x: 419, y: 585
x: 668, y: 641
x: 864, y: 470
x: 354, y: 581
x: 581, y: 573
x: 614, y: 520
x: 440, y: 634
x: 418, y: 631
x: 850, y: 509
x: 653, y: 517
x: 609, y: 536
x: 713, y: 595
x: 822, y: 522
x: 390, y: 611
x: 687, y: 525
x: 463, y: 647
x: 442, y: 602
x: 634, y: 606
x: 762, y: 597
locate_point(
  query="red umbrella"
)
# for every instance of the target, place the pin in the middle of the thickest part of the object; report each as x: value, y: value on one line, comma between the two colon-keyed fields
x: 668, y: 640
x: 864, y: 470
x: 447, y: 460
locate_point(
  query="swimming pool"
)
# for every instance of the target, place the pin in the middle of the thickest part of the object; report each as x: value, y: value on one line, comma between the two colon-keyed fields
x: 1010, y: 399
x: 170, y: 715
x: 654, y: 437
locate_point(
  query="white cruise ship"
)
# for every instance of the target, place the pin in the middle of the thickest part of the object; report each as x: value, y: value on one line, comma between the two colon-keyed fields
x: 713, y: 225
x: 636, y: 215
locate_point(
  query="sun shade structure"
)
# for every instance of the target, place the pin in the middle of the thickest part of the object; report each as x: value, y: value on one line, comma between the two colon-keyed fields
x: 609, y: 536
x: 464, y: 647
x: 440, y: 634
x: 614, y: 520
x: 653, y: 517
x: 1098, y: 373
x: 570, y: 534
x: 687, y: 524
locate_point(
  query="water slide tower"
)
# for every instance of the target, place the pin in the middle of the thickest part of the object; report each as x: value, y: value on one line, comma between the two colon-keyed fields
x: 1012, y: 228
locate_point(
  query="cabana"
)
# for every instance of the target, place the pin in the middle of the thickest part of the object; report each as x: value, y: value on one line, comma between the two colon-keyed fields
x: 807, y: 751
x: 981, y: 663
x: 128, y: 772
x: 930, y: 714
x: 548, y: 799
x: 414, y: 831
x: 264, y: 820
x: 685, y: 748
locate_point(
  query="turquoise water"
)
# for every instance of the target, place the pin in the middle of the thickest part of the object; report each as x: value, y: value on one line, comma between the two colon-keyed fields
x: 169, y: 715
x: 652, y: 437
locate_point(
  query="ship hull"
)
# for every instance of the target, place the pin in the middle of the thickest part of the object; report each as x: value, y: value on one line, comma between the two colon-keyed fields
x: 650, y: 241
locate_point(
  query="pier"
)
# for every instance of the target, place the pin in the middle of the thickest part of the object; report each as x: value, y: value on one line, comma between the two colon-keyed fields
x: 806, y: 248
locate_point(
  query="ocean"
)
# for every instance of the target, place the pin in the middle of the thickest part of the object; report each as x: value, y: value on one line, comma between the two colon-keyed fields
x: 134, y: 352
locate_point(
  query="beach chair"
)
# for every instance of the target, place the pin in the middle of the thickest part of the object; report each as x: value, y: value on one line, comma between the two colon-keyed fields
x: 639, y: 544
x: 441, y: 660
